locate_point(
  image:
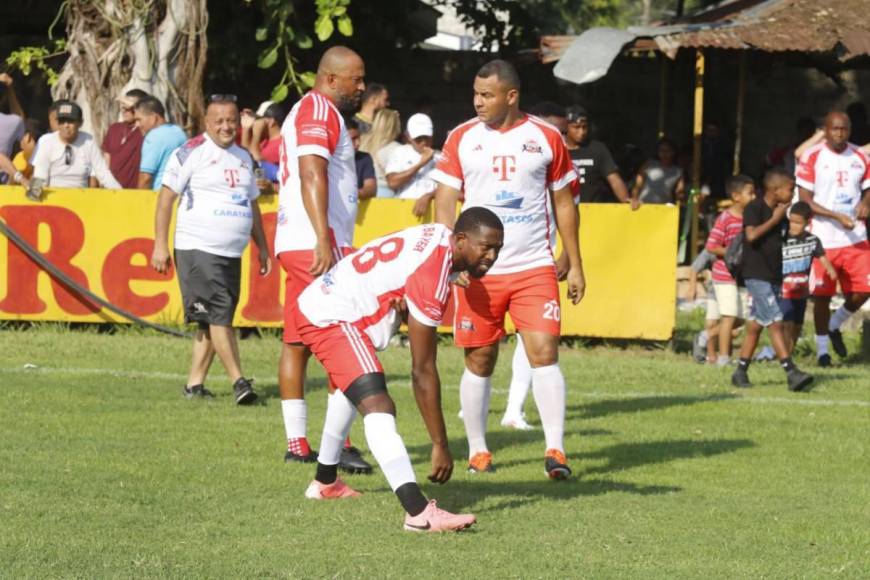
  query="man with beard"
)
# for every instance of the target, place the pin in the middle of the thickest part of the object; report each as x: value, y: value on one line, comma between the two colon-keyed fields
x: 317, y: 208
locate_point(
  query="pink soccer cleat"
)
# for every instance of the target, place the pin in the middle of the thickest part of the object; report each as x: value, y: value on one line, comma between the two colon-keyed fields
x: 433, y: 519
x: 336, y: 490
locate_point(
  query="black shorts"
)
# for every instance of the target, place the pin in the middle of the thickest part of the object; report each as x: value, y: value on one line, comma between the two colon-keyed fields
x: 793, y: 309
x: 210, y: 286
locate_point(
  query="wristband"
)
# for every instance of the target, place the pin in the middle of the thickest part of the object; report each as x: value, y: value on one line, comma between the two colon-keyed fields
x: 18, y: 177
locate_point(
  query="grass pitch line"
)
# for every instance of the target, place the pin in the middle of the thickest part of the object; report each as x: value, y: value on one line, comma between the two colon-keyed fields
x: 713, y: 397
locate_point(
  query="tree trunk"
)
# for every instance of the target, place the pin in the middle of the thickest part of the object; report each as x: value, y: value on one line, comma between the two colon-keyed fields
x: 117, y: 45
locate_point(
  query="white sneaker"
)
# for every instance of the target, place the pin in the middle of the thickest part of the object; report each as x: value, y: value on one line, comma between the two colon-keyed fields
x: 518, y: 423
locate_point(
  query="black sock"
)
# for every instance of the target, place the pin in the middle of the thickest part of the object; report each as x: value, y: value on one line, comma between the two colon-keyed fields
x: 411, y: 498
x: 326, y: 474
x: 787, y: 364
x: 743, y: 364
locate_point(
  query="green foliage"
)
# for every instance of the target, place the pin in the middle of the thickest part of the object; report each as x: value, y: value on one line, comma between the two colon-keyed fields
x: 27, y: 57
x: 285, y: 33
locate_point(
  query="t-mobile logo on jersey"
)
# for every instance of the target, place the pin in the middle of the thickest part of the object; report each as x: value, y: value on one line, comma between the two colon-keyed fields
x: 503, y: 165
x: 841, y: 178
x: 232, y: 176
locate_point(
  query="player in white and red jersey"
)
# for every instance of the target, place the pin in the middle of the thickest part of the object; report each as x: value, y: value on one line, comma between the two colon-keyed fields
x: 834, y: 179
x: 317, y: 209
x: 350, y: 312
x: 518, y: 166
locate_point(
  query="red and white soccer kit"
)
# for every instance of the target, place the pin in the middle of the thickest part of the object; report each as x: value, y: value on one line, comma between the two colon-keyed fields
x: 313, y: 127
x: 838, y: 181
x: 510, y: 172
x: 347, y: 314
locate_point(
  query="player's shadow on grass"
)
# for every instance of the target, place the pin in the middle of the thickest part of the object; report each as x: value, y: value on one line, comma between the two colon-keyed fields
x: 607, y: 407
x: 591, y: 480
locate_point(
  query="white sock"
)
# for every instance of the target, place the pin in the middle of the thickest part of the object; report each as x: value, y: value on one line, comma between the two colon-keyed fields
x: 839, y: 317
x: 389, y: 450
x: 295, y: 413
x: 521, y: 381
x: 821, y: 344
x: 474, y: 395
x: 548, y: 385
x: 339, y: 417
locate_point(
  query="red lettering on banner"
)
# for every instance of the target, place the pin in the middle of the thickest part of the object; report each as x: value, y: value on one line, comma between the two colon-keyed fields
x: 119, y: 271
x: 264, y: 292
x: 22, y: 273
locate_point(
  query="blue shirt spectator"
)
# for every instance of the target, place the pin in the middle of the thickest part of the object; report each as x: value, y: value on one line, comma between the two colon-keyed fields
x: 159, y: 143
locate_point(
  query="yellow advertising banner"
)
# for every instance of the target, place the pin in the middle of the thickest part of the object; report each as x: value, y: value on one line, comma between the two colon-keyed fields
x: 102, y: 239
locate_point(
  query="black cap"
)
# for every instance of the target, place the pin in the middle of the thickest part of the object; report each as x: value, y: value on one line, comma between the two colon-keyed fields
x: 69, y: 110
x: 575, y: 113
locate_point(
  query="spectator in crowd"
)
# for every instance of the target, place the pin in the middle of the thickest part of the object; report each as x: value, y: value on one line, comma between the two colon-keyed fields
x: 600, y: 181
x: 661, y: 179
x: 730, y: 299
x: 161, y: 139
x: 122, y: 146
x: 20, y: 169
x: 265, y: 139
x: 11, y: 124
x: 375, y: 98
x: 798, y: 251
x: 410, y: 166
x: 380, y: 143
x: 366, y: 181
x: 69, y: 157
x: 764, y: 221
x: 217, y: 216
x: 834, y: 179
x: 553, y: 113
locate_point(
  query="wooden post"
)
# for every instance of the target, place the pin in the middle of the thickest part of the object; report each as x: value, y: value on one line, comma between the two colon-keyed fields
x: 741, y: 98
x: 695, y: 192
x: 663, y: 93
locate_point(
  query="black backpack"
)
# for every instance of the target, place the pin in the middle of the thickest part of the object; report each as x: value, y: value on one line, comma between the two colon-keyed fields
x: 734, y: 256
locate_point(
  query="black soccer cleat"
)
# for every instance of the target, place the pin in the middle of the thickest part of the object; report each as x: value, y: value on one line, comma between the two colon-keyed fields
x: 824, y: 360
x: 196, y: 392
x: 740, y: 379
x: 351, y: 461
x: 244, y: 392
x: 838, y: 344
x: 290, y: 457
x: 798, y: 380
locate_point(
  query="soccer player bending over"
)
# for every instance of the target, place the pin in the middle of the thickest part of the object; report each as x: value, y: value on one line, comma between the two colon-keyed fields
x: 352, y: 310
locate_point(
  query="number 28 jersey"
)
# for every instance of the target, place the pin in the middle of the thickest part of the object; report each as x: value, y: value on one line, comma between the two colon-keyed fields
x: 510, y: 172
x: 414, y: 264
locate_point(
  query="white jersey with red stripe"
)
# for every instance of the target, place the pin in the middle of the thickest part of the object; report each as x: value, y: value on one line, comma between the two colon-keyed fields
x: 837, y: 181
x: 414, y: 264
x: 510, y: 172
x: 315, y: 127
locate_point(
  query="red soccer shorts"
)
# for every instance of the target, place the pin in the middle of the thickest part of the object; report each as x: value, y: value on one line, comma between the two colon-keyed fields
x: 344, y: 351
x: 531, y: 297
x: 295, y: 264
x: 852, y: 264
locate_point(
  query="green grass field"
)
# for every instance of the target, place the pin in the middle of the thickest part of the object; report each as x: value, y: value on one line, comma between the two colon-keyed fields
x: 106, y: 471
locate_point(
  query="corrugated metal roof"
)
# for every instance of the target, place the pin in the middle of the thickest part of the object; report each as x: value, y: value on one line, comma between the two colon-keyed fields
x: 838, y: 26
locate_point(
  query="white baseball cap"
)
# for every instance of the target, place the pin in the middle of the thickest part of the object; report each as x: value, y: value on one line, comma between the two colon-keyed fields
x: 261, y: 110
x: 419, y: 125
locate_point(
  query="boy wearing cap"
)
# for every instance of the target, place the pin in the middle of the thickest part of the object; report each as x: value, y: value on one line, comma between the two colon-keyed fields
x: 409, y: 166
x: 122, y: 145
x: 599, y: 175
x: 68, y: 157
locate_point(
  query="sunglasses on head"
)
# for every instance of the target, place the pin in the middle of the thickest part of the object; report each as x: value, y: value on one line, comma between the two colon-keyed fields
x: 218, y: 98
x: 68, y: 155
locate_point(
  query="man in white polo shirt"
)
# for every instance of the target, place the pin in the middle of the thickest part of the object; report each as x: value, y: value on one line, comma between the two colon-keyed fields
x: 69, y: 157
x: 834, y: 179
x: 217, y: 215
x: 410, y: 166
